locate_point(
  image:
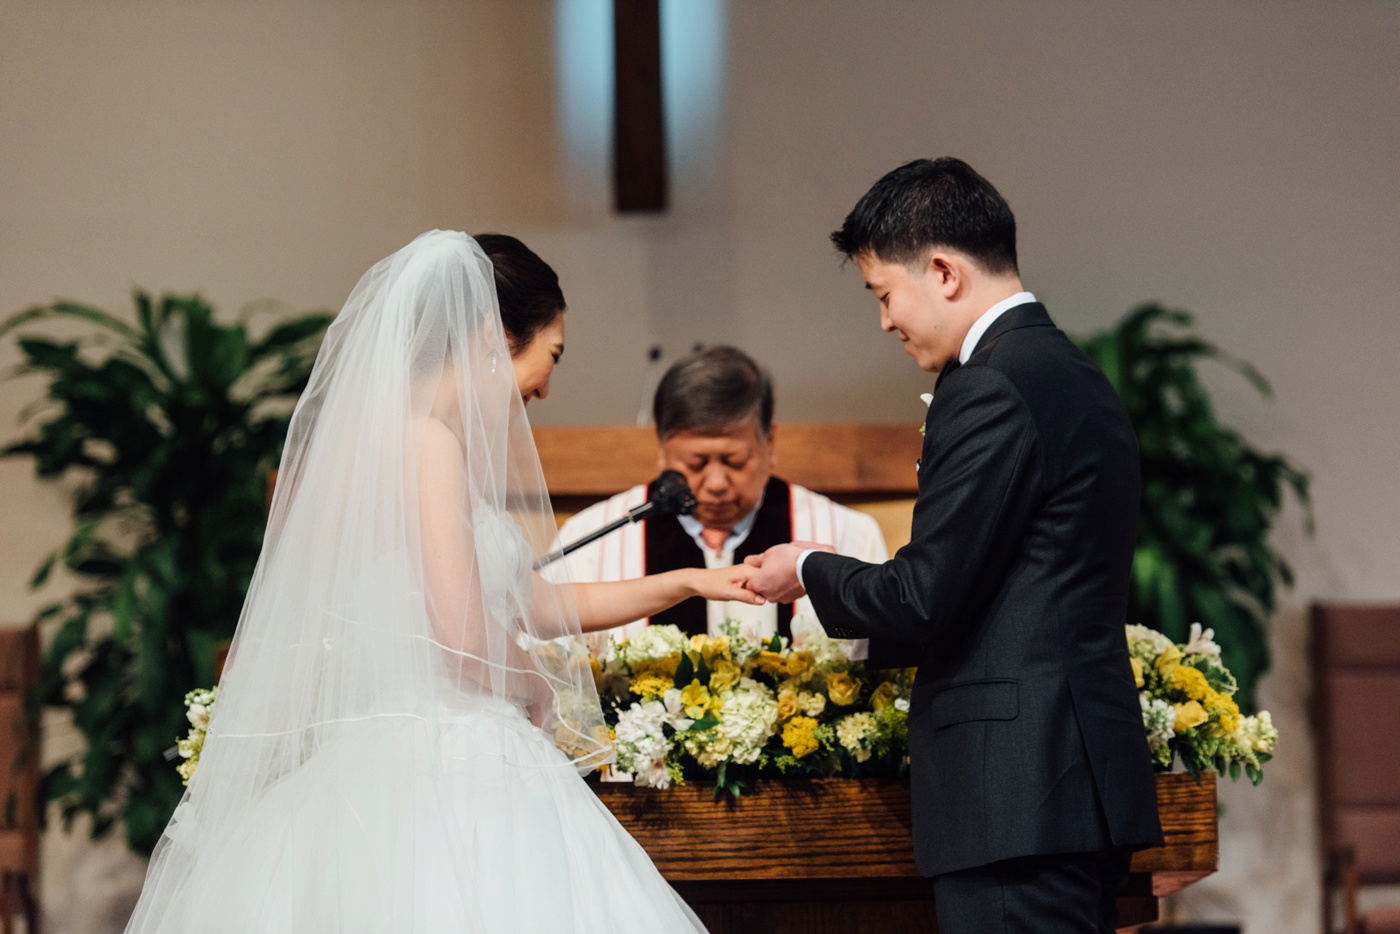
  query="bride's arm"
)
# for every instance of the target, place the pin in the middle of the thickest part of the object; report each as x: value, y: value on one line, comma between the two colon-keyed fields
x: 602, y: 606
x: 451, y: 573
x: 453, y: 583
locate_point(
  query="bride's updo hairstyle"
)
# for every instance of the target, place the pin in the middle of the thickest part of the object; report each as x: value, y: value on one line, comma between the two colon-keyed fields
x: 526, y: 288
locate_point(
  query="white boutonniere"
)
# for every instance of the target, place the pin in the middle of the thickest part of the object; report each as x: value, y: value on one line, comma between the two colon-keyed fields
x: 927, y: 398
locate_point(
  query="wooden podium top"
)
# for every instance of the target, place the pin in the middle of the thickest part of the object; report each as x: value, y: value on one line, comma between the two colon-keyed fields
x: 831, y: 458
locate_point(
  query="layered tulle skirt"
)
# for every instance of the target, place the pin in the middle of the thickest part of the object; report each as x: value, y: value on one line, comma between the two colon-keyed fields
x: 470, y: 822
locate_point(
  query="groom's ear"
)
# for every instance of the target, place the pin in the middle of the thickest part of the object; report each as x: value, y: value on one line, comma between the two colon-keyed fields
x: 949, y: 273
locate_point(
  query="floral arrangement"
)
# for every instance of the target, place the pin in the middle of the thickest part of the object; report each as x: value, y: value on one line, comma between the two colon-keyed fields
x: 199, y: 706
x: 735, y: 708
x: 1188, y: 707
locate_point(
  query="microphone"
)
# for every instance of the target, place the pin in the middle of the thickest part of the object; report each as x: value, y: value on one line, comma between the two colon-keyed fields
x: 670, y: 497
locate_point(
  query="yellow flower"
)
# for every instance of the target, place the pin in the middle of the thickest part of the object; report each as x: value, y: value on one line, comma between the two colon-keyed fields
x: 788, y: 704
x: 666, y: 665
x: 842, y: 688
x: 696, y: 699
x: 1137, y: 670
x: 724, y: 675
x: 650, y: 684
x: 799, y: 735
x: 715, y: 647
x: 1168, y: 660
x: 1188, y: 715
x: 771, y: 662
x: 1229, y: 711
x: 698, y: 642
x: 883, y: 696
x: 1190, y: 682
x: 801, y: 664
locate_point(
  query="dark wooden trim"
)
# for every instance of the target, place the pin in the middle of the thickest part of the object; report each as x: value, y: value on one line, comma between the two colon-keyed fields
x: 639, y: 126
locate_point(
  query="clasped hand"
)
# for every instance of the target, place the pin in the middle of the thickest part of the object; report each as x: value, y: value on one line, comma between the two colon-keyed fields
x: 769, y: 577
x: 775, y: 571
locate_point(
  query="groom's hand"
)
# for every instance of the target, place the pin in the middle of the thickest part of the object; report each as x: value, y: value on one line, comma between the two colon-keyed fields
x: 776, y: 578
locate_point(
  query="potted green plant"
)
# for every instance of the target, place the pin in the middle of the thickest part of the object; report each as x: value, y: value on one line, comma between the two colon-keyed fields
x: 1209, y: 497
x: 168, y: 426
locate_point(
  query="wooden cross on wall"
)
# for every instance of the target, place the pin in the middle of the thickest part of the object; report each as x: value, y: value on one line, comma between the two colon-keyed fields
x: 639, y: 125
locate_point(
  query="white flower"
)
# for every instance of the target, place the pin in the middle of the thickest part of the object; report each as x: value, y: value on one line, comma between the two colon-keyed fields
x: 653, y: 774
x: 926, y: 398
x: 1146, y: 644
x: 640, y: 741
x: 812, y: 704
x: 675, y: 709
x: 198, y: 715
x: 852, y: 731
x: 652, y: 642
x: 1158, y: 718
x: 747, y: 721
x: 901, y: 704
x: 808, y: 635
x: 1202, y: 642
x: 1257, y: 733
x: 614, y: 679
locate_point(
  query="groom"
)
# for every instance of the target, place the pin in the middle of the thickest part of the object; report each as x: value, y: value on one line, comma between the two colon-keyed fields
x: 1030, y: 768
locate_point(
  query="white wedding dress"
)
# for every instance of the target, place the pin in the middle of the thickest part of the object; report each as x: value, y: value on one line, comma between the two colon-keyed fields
x: 406, y: 711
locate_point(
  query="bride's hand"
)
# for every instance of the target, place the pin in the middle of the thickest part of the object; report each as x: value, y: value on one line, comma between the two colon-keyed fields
x: 725, y: 584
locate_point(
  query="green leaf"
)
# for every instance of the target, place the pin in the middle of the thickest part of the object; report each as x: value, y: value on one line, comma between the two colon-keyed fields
x: 685, y: 671
x: 41, y: 574
x: 1209, y: 498
x: 175, y: 465
x: 290, y: 334
x: 68, y: 310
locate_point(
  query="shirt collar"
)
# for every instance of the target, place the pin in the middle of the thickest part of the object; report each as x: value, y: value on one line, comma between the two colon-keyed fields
x: 693, y: 527
x: 979, y: 327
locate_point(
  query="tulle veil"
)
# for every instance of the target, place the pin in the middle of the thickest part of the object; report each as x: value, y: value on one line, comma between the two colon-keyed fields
x: 393, y: 598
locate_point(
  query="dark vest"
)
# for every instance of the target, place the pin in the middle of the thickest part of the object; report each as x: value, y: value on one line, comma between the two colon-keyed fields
x: 669, y: 548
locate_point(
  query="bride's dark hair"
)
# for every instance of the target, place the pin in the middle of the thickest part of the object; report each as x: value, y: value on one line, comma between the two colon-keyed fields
x: 526, y: 287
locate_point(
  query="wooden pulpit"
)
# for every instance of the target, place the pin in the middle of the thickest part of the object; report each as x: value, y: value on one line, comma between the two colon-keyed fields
x: 832, y: 855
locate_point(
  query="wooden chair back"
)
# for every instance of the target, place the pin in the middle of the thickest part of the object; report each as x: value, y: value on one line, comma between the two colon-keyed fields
x: 1356, y: 711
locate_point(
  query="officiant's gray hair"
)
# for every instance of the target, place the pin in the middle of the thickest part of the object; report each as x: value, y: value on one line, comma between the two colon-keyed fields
x: 713, y: 391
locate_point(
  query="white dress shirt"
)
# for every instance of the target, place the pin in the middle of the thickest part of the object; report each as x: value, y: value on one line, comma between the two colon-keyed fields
x: 969, y: 344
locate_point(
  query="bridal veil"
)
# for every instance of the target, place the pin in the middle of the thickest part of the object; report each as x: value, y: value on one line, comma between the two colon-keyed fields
x: 395, y: 653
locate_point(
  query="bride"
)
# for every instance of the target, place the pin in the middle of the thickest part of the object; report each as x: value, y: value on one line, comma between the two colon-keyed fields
x: 407, y: 709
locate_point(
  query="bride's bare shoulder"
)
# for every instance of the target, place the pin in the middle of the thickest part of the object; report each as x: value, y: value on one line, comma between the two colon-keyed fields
x: 436, y: 443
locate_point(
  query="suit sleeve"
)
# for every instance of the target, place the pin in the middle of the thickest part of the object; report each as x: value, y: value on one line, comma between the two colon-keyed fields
x: 979, y: 484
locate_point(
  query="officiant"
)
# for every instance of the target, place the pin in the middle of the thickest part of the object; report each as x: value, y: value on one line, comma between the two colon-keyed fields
x: 714, y: 424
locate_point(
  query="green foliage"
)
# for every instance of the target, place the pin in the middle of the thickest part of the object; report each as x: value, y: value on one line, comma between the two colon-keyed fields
x: 1209, y: 498
x: 168, y: 428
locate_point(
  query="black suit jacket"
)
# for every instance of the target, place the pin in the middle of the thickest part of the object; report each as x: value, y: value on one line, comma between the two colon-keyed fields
x: 1025, y: 731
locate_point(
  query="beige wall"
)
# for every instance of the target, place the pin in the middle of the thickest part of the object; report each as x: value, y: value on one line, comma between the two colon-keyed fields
x: 1238, y: 160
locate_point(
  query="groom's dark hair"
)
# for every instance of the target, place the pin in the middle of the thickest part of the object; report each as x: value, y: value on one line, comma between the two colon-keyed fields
x: 927, y: 204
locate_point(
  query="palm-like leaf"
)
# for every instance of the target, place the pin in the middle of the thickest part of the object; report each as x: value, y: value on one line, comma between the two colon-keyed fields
x: 169, y: 426
x: 1209, y: 499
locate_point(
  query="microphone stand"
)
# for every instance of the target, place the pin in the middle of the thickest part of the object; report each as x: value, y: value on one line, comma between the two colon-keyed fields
x: 671, y: 497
